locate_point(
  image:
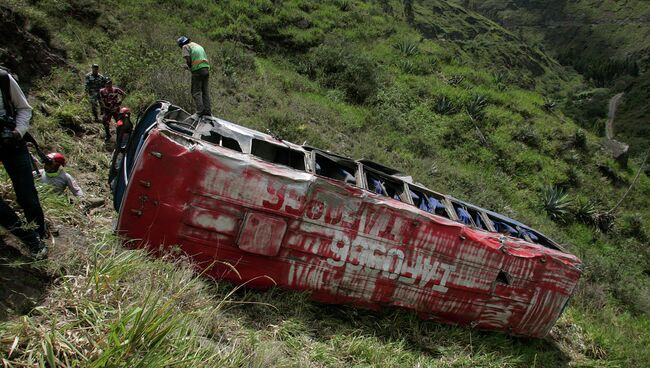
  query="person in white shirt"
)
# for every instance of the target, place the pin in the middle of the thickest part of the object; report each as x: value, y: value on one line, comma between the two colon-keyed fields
x: 54, y: 176
x: 15, y: 114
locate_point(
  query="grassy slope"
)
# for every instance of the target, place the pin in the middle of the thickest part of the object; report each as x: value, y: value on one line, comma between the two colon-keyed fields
x: 269, y: 73
x: 588, y: 33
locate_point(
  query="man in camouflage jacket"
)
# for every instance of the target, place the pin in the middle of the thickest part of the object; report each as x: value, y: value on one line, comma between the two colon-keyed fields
x: 94, y: 82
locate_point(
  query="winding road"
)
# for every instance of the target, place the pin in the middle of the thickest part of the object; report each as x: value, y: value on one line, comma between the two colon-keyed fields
x: 613, y: 104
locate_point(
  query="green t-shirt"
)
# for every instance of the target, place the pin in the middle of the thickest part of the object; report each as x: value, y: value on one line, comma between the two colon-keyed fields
x: 197, y: 55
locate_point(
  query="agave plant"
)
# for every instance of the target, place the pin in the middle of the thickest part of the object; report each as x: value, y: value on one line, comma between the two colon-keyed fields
x: 556, y: 203
x: 476, y: 105
x: 407, y: 48
x: 444, y: 106
x: 584, y: 211
x: 549, y: 104
x: 406, y: 66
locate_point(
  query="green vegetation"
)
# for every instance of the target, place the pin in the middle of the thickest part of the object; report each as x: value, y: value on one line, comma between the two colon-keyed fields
x: 606, y: 41
x: 429, y: 87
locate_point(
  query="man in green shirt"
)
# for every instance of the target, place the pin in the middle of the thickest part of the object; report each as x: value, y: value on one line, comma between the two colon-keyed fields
x: 197, y: 62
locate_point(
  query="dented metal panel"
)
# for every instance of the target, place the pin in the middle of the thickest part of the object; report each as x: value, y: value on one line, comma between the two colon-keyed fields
x: 280, y: 226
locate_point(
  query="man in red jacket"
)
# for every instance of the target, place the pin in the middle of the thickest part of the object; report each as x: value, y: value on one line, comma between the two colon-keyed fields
x: 110, y: 98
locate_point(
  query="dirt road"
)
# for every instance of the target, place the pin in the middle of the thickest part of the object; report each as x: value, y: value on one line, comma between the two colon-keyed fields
x: 613, y: 104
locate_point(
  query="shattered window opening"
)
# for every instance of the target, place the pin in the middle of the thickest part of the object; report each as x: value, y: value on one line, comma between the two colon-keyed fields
x: 329, y: 168
x: 464, y: 216
x: 219, y: 140
x: 385, y: 186
x: 428, y: 201
x: 278, y: 154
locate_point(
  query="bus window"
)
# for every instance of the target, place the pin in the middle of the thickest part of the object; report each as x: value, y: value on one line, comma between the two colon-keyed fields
x: 476, y: 217
x: 219, y: 140
x: 428, y: 202
x: 329, y: 168
x: 385, y: 186
x: 463, y: 215
x: 278, y: 154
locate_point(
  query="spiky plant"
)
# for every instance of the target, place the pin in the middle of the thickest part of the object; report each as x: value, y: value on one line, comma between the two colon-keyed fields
x: 584, y: 211
x: 406, y: 66
x: 549, y: 104
x: 580, y: 139
x: 407, y: 48
x: 498, y: 78
x: 476, y: 105
x: 556, y: 203
x: 444, y: 106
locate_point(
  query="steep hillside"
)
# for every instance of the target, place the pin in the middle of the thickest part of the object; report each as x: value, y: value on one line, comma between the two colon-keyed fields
x: 430, y: 87
x: 606, y: 41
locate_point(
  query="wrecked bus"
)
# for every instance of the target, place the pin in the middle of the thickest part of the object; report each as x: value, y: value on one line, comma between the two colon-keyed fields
x: 254, y: 209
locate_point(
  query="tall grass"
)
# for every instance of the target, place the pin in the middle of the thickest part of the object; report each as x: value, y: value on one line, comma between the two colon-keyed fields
x: 353, y: 93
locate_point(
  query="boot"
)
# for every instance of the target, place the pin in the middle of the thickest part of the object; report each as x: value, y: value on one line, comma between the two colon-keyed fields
x: 107, y: 133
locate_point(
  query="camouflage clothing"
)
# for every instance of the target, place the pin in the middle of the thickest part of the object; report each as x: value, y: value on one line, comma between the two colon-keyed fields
x: 93, y: 84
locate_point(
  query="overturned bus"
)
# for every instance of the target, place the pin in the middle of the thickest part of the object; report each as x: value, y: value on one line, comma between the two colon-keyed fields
x: 253, y: 209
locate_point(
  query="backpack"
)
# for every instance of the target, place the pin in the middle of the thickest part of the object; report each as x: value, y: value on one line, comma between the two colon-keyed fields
x: 6, y: 94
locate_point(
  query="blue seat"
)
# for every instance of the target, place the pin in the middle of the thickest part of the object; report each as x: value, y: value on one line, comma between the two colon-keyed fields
x: 463, y: 216
x: 346, y: 176
x: 504, y: 228
x: 478, y: 222
x: 376, y: 186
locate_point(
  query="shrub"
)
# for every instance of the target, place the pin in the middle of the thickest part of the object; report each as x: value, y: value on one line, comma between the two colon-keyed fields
x: 632, y: 226
x: 527, y: 135
x: 499, y: 80
x: 556, y: 203
x: 580, y: 139
x: 406, y: 66
x: 341, y: 65
x: 444, y: 106
x: 407, y: 48
x: 549, y: 104
x: 455, y: 80
x: 603, y: 221
x: 475, y: 106
x: 584, y: 211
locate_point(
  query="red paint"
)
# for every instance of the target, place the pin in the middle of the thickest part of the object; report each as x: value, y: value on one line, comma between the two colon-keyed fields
x: 276, y: 225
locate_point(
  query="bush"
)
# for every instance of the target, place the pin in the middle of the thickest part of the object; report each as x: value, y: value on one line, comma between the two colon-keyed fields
x: 444, y: 106
x: 632, y: 226
x: 475, y: 106
x: 556, y: 203
x: 407, y: 48
x: 341, y: 65
x: 528, y: 135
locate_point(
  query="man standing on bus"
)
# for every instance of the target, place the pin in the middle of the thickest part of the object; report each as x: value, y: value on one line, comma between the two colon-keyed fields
x: 197, y: 62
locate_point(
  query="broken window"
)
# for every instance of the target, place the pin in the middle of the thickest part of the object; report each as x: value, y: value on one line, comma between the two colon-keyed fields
x: 462, y: 214
x: 504, y: 227
x: 336, y: 168
x: 475, y: 214
x: 384, y: 185
x: 428, y: 201
x: 217, y: 139
x: 278, y: 154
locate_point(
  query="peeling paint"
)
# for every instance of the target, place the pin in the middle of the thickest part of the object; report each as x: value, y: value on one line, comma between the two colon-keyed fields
x: 277, y: 225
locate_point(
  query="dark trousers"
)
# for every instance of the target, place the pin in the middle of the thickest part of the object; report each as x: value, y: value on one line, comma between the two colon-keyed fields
x: 94, y: 106
x: 107, y: 115
x: 201, y: 91
x: 17, y: 162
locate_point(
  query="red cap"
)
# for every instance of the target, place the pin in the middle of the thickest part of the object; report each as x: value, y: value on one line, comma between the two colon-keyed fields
x: 57, y: 158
